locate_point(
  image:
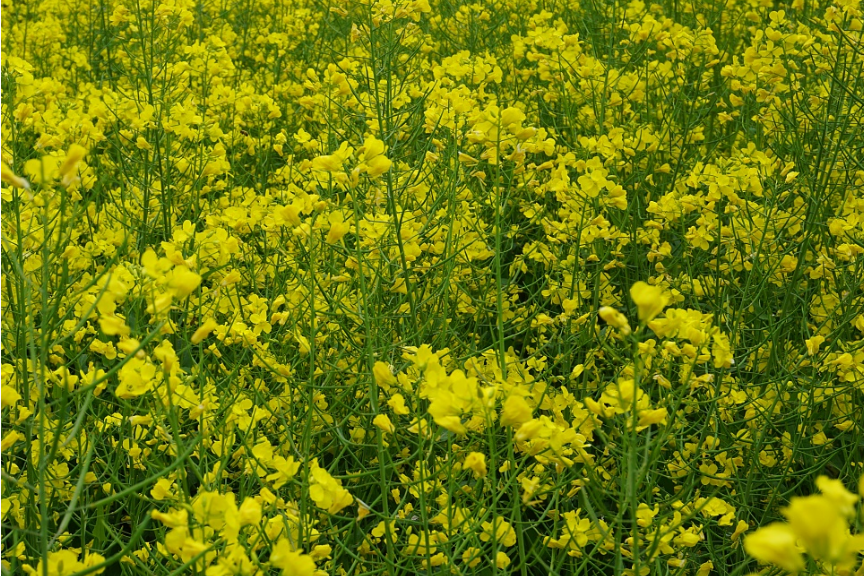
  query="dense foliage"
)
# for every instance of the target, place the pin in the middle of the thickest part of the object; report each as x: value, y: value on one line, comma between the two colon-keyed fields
x: 397, y: 287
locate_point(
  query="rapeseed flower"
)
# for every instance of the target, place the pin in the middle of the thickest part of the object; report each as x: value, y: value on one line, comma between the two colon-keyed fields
x: 266, y: 261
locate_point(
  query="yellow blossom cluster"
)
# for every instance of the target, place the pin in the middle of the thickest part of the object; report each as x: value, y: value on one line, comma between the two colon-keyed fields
x: 418, y: 286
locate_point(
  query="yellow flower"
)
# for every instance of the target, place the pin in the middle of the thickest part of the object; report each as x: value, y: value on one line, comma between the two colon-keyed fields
x: 9, y: 396
x: 12, y: 179
x: 511, y: 118
x: 321, y: 551
x: 113, y: 326
x: 476, y: 461
x: 835, y: 491
x: 818, y: 524
x: 384, y: 423
x: 620, y: 395
x: 649, y: 417
x: 374, y: 161
x: 326, y: 491
x: 615, y: 319
x: 645, y: 514
x: 446, y: 414
x: 594, y: 180
x: 383, y: 376
x: 397, y: 404
x: 184, y: 281
x: 775, y: 544
x: 740, y: 529
x: 136, y: 378
x: 142, y: 144
x: 66, y: 563
x: 292, y: 562
x: 471, y: 557
x: 66, y: 170
x: 42, y: 169
x: 500, y: 530
x: 129, y: 345
x: 250, y: 512
x: 211, y: 508
x: 162, y: 489
x: 721, y: 350
x: 529, y: 430
x: 332, y: 162
x: 813, y: 344
x: 290, y: 215
x: 286, y: 468
x: 362, y: 510
x: 302, y: 342
x: 515, y: 411
x: 338, y: 228
x: 649, y: 300
x: 172, y: 519
x: 203, y: 331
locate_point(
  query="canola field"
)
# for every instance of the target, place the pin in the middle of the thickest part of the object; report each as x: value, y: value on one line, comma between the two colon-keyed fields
x: 432, y: 287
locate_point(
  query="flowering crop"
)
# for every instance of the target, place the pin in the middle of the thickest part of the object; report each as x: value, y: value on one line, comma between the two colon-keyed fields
x: 398, y: 287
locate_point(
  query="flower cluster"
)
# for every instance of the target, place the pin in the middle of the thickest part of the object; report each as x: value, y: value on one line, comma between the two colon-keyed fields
x: 817, y: 525
x: 401, y: 286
